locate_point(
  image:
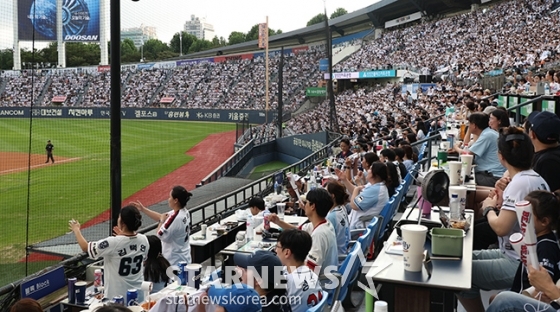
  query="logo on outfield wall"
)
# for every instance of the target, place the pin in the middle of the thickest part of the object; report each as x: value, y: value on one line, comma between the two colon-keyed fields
x: 49, y: 112
x: 12, y: 112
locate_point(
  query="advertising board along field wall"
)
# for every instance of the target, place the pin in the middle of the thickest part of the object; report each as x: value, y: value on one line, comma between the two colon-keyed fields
x: 216, y: 115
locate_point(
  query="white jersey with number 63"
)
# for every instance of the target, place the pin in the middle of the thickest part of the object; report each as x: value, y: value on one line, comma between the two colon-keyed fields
x: 123, y: 262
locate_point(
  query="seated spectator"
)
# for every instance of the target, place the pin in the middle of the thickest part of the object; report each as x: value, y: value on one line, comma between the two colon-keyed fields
x: 26, y: 305
x: 256, y: 206
x: 547, y: 220
x: 544, y: 130
x: 323, y: 252
x: 498, y: 119
x: 409, y: 158
x: 393, y: 181
x: 488, y: 168
x: 155, y: 266
x: 338, y: 216
x: 389, y: 155
x: 368, y: 200
x: 292, y: 249
x: 258, y: 271
x: 515, y: 152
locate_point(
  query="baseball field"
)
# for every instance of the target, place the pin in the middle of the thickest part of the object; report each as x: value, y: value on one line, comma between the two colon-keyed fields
x: 38, y: 199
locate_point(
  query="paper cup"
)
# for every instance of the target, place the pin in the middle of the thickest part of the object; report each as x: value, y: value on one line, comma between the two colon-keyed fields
x: 413, y: 237
x: 194, y: 272
x: 444, y: 145
x: 461, y: 191
x: 466, y: 161
x: 454, y: 172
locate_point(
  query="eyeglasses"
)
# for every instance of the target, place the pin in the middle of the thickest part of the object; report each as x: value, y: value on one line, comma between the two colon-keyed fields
x: 279, y: 247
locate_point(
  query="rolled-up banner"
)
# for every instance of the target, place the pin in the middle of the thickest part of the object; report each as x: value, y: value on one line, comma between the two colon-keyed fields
x: 516, y: 241
x: 524, y: 211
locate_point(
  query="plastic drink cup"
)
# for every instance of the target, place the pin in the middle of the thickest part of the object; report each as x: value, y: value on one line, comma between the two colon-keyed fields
x: 281, y: 207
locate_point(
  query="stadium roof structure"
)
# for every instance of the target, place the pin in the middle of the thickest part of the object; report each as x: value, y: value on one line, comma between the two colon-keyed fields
x: 370, y: 17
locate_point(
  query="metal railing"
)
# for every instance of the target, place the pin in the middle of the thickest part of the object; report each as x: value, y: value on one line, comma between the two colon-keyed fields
x: 517, y: 108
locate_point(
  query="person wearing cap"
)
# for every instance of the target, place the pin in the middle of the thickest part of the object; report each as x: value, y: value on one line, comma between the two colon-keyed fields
x: 544, y: 130
x: 262, y: 270
x: 488, y: 168
x: 292, y: 248
x: 323, y: 251
x: 49, y: 148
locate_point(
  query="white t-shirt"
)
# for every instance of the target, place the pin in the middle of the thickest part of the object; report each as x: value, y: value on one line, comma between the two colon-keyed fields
x: 521, y: 184
x: 323, y: 251
x: 338, y: 217
x: 123, y: 262
x: 303, y: 283
x: 174, y: 235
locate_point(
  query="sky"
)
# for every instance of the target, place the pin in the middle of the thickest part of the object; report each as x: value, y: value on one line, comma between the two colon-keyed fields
x: 168, y: 16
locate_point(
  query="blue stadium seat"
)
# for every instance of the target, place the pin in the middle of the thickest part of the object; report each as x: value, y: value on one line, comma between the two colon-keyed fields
x: 346, y: 271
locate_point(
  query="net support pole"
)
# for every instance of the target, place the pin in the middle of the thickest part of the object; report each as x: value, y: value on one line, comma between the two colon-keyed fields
x: 61, y: 48
x: 16, y: 52
x: 115, y: 112
x: 104, y: 59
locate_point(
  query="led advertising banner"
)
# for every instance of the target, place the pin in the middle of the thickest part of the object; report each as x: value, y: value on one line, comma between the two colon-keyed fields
x: 37, y: 20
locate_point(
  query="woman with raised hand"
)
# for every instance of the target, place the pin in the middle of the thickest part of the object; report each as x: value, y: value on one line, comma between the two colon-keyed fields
x: 123, y: 254
x: 367, y: 200
x: 173, y: 227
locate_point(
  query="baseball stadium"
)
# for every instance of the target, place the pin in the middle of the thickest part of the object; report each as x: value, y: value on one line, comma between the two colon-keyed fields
x: 411, y: 146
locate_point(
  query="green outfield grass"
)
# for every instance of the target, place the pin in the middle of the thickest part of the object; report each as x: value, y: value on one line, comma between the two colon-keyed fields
x: 266, y: 169
x: 81, y: 189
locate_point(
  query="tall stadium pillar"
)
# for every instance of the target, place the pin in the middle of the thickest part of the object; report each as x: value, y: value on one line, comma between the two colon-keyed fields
x: 116, y: 183
x: 103, y: 33
x: 17, y: 51
x: 280, y: 118
x: 59, y: 35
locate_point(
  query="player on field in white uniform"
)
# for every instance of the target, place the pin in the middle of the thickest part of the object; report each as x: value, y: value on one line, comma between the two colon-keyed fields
x: 174, y: 227
x: 123, y: 254
x: 292, y: 249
